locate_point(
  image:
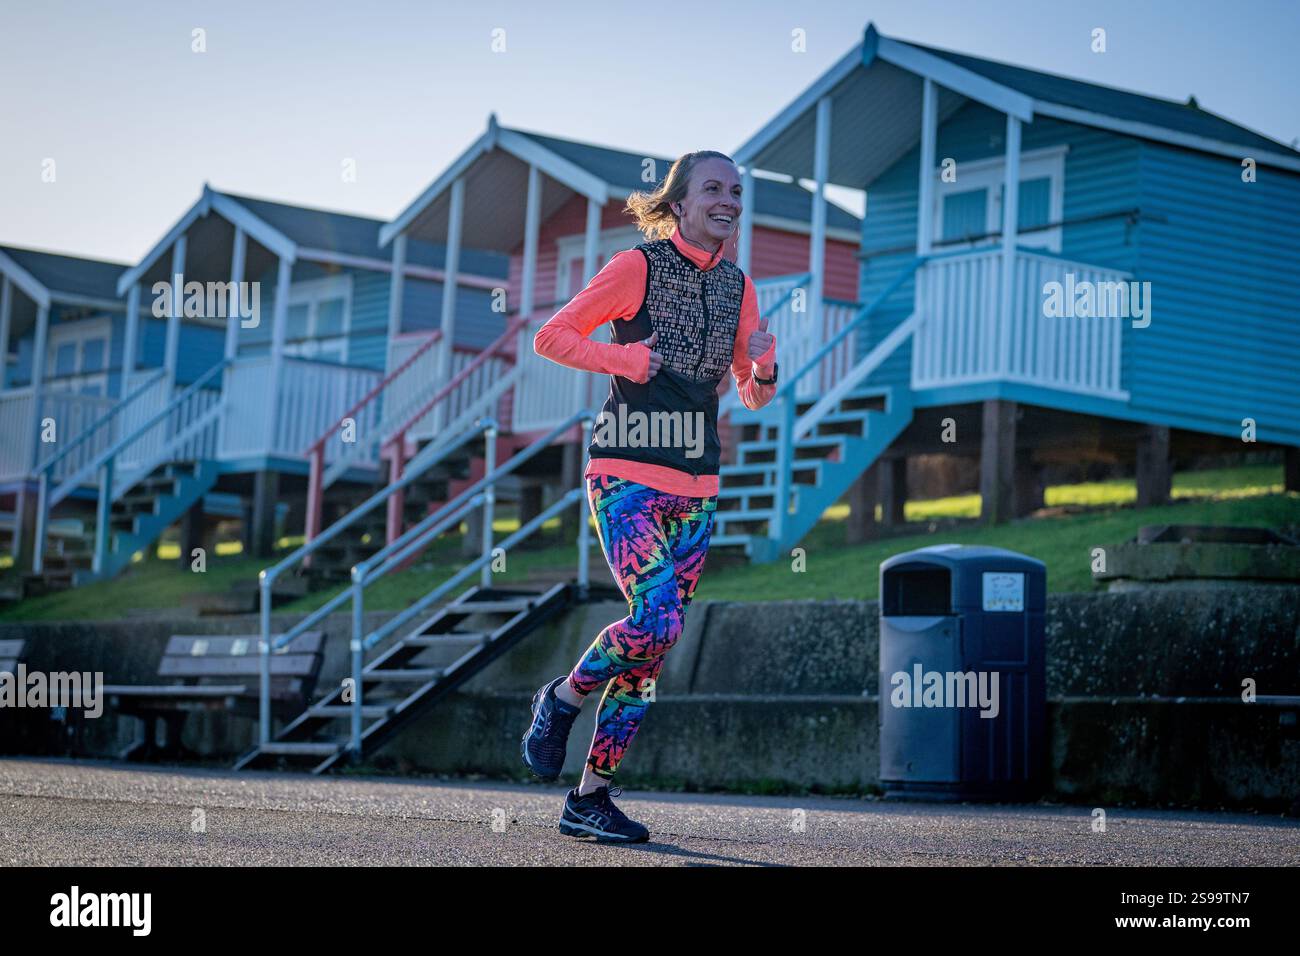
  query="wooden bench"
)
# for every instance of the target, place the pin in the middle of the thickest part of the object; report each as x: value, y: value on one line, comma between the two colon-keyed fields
x: 215, y: 674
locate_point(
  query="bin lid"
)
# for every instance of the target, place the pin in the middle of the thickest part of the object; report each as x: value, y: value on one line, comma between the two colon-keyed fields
x: 967, y: 565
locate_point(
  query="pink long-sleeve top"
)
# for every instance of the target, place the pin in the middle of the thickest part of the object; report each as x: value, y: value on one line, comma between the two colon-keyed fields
x: 616, y: 292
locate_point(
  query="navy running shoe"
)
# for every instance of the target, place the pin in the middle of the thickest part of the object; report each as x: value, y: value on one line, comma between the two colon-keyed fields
x: 594, y: 814
x: 544, y: 744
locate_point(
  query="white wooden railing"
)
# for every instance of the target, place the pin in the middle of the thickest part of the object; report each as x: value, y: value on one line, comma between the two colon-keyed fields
x: 70, y: 415
x: 414, y: 387
x: 783, y: 300
x: 964, y: 336
x: 547, y: 392
x: 188, y: 432
x: 312, y: 396
x: 17, y: 432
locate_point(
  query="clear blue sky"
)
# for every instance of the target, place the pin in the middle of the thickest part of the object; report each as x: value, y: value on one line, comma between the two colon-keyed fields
x: 136, y: 122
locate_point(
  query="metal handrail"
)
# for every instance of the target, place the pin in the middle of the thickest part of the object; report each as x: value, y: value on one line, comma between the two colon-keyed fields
x: 396, y: 441
x: 785, y: 396
x: 43, y: 502
x: 393, y: 554
x: 427, y: 457
x: 396, y: 553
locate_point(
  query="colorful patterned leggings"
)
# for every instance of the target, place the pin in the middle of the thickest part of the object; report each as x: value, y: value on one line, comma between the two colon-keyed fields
x: 655, y: 544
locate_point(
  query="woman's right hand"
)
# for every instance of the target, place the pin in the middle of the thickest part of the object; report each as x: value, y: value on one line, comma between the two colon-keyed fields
x: 656, y: 360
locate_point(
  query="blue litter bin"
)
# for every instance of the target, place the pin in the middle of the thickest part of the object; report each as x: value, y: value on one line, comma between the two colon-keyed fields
x: 963, y: 685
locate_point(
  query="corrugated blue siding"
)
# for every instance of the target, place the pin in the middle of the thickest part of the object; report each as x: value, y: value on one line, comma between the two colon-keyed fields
x: 368, y: 340
x: 1224, y: 342
x: 477, y: 326
x: 1101, y: 176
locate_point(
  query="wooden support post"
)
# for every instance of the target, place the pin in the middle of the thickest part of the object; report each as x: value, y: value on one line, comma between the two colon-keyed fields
x: 570, y: 477
x: 817, y: 239
x: 6, y: 314
x: 192, y: 534
x: 998, y: 461
x: 925, y: 186
x: 893, y: 491
x: 1291, y: 468
x: 863, y: 495
x: 530, y: 502
x: 131, y: 341
x: 25, y: 516
x: 1154, y: 469
x: 745, y: 254
x: 1028, y: 485
x: 266, y: 490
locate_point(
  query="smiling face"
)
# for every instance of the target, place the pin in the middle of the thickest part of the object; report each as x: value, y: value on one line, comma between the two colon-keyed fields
x: 711, y: 209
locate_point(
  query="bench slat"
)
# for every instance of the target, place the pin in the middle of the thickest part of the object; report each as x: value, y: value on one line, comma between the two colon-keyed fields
x: 292, y: 665
x: 238, y: 645
x: 175, y: 690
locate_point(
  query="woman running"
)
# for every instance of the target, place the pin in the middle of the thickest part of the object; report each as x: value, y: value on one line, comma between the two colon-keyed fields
x: 684, y: 316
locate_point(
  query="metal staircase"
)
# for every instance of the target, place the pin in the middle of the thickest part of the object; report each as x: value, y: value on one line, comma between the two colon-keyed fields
x: 797, y: 455
x: 433, y: 655
x: 428, y: 662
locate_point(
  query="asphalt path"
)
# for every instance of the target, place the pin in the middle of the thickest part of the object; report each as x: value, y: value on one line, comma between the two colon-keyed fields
x: 57, y: 812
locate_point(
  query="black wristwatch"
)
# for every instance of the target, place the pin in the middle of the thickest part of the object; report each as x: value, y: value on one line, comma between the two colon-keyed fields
x: 769, y: 381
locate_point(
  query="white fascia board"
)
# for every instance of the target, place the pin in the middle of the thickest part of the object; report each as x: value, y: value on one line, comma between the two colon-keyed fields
x: 25, y: 281
x: 956, y: 78
x: 482, y: 145
x: 530, y: 151
x: 1160, y: 134
x: 131, y: 276
x: 255, y: 227
x: 806, y: 101
x: 329, y: 257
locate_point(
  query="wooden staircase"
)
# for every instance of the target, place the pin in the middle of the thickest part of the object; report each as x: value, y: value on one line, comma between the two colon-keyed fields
x: 841, y: 445
x: 136, y: 520
x: 832, y: 437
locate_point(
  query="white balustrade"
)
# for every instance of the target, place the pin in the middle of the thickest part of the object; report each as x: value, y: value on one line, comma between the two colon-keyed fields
x: 69, y: 416
x: 17, y: 432
x: 962, y: 338
x: 312, y: 397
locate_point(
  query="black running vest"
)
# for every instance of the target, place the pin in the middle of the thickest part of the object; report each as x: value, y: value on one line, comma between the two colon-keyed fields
x: 672, y: 420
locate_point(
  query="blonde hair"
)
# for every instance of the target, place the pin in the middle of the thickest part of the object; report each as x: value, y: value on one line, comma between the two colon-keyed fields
x: 653, y: 211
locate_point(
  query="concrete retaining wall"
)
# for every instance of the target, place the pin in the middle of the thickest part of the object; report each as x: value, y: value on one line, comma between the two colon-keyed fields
x: 782, y: 695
